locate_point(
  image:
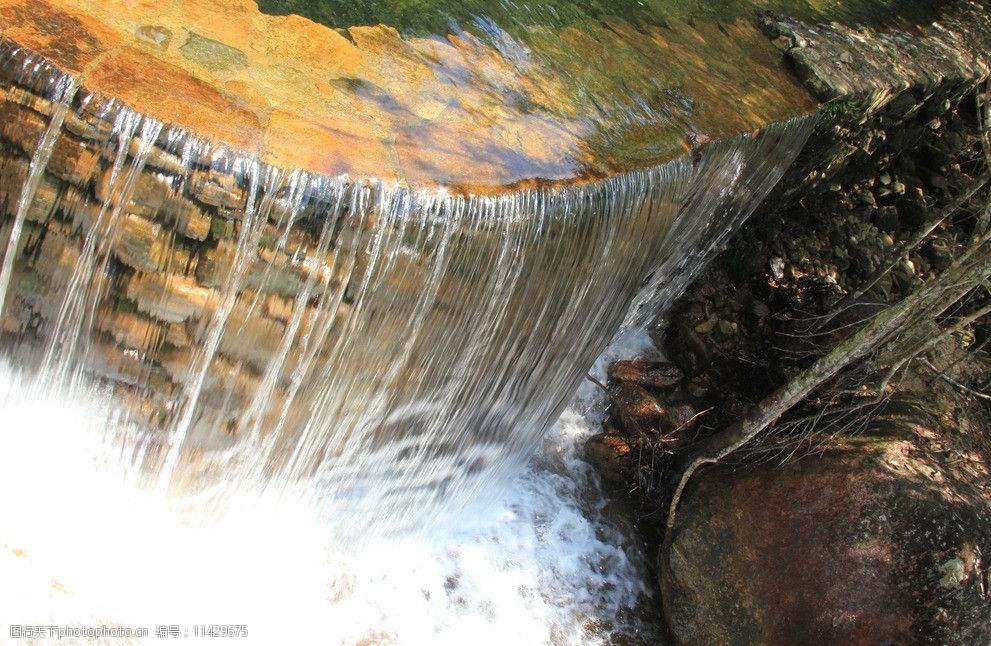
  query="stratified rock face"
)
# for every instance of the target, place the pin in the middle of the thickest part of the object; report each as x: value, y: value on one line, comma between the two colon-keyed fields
x: 856, y: 546
x: 479, y: 106
x: 837, y: 62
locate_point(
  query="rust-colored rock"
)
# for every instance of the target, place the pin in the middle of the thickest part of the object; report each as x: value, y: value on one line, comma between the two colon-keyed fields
x: 166, y: 92
x: 639, y: 412
x: 636, y: 409
x: 287, y: 129
x: 610, y: 454
x: 451, y: 109
x: 66, y: 35
x: 649, y: 374
x: 854, y: 546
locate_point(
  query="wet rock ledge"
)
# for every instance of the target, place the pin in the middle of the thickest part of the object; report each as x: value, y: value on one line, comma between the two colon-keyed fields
x: 479, y: 107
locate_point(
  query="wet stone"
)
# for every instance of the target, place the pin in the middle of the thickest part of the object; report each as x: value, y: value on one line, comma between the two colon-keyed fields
x: 187, y: 217
x: 276, y: 275
x: 107, y: 361
x: 650, y: 374
x: 161, y: 160
x: 89, y: 131
x: 148, y: 193
x: 56, y: 260
x: 636, y: 409
x: 70, y: 159
x: 610, y: 454
x: 22, y: 97
x: 173, y: 298
x: 227, y: 384
x: 217, y: 190
x: 141, y: 244
x: 250, y: 337
x: 13, y: 173
x: 140, y: 333
x: 155, y: 34
x: 278, y: 308
x: 21, y: 126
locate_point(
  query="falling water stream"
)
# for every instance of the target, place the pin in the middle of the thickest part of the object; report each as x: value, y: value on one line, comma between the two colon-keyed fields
x: 320, y: 406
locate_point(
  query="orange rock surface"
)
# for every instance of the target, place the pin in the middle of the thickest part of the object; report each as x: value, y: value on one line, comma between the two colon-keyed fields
x: 453, y: 110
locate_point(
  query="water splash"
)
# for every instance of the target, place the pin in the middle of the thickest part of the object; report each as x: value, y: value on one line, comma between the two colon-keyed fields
x: 542, y: 565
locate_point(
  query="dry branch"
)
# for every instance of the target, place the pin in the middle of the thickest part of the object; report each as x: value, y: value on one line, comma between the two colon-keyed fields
x: 969, y: 270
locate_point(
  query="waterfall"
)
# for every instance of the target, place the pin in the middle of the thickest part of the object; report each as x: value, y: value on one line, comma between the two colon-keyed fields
x: 395, y: 353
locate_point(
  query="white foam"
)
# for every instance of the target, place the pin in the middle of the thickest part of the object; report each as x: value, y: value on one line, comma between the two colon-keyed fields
x: 79, y: 545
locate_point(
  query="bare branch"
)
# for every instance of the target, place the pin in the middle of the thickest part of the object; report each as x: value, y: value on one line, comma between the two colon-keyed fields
x: 597, y: 383
x: 952, y: 285
x: 954, y: 382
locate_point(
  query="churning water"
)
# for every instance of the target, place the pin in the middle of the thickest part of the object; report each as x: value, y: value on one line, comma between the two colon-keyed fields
x: 239, y: 394
x: 81, y: 545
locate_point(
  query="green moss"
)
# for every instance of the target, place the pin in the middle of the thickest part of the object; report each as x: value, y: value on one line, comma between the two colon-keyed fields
x: 442, y: 16
x: 839, y: 111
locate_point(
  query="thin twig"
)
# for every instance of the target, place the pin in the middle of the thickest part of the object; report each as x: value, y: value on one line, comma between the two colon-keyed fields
x: 954, y: 382
x: 597, y: 383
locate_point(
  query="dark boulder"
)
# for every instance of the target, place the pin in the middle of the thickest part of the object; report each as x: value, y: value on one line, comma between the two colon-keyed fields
x: 612, y: 456
x: 878, y: 545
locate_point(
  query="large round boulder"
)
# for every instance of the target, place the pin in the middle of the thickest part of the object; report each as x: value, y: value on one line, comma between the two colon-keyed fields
x: 876, y: 544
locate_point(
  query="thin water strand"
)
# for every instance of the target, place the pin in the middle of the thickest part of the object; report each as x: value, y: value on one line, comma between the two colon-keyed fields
x: 63, y: 95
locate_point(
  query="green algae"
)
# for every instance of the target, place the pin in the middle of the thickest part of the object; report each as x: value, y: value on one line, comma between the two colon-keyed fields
x: 213, y: 55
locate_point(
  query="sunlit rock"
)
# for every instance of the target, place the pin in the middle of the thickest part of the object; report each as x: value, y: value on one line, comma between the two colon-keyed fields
x: 872, y: 544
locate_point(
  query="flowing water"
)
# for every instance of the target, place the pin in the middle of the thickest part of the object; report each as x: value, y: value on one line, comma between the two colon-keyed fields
x: 227, y: 384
